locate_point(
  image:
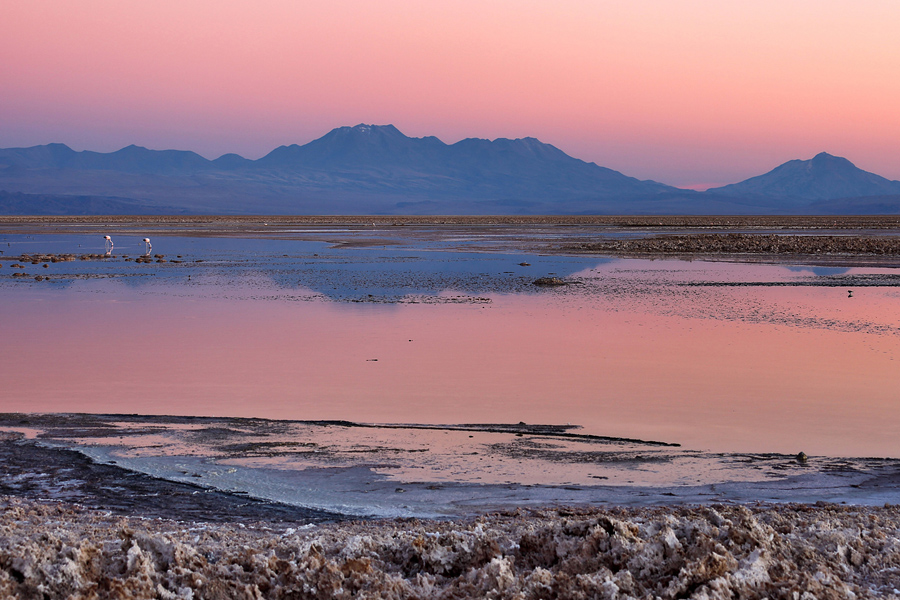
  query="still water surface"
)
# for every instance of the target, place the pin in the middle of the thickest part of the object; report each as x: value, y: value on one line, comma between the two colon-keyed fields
x: 715, y: 356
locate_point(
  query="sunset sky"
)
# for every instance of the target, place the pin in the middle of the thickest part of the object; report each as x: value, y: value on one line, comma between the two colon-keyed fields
x: 688, y: 93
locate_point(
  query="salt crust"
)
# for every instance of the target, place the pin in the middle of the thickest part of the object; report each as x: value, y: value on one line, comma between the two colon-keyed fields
x: 797, y: 552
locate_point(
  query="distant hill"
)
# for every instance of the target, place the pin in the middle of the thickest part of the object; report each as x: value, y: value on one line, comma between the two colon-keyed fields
x: 131, y: 159
x: 823, y: 177
x: 372, y: 169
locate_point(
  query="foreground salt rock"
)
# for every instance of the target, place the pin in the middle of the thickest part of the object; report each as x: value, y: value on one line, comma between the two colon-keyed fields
x: 790, y: 551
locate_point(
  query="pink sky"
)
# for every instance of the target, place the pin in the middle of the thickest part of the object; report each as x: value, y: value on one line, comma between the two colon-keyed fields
x: 690, y: 92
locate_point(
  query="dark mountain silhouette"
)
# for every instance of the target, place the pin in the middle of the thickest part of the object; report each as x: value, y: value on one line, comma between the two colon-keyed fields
x: 363, y: 146
x: 860, y: 205
x: 371, y: 157
x: 131, y: 159
x: 823, y: 177
x: 371, y: 169
x: 361, y: 169
x: 231, y: 161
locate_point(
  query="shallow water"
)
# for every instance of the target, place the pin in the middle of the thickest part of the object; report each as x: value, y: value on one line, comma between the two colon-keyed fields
x: 714, y: 356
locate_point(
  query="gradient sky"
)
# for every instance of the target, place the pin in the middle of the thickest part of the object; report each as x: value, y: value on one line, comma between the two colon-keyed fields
x: 688, y: 93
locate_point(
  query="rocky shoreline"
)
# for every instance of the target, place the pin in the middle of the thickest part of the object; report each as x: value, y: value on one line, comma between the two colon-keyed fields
x: 58, y: 550
x: 744, y: 243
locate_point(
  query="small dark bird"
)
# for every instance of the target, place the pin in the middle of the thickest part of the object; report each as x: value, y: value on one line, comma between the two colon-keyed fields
x: 849, y: 293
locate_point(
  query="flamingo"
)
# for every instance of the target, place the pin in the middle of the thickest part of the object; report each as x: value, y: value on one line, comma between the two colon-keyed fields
x: 109, y: 243
x: 149, y: 245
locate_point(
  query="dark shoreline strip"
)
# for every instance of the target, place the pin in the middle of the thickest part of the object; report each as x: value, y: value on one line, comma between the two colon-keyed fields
x: 37, y: 472
x: 523, y: 429
x: 71, y: 420
x: 746, y: 243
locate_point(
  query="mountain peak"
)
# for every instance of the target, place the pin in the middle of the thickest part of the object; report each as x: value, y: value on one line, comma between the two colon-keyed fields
x: 131, y: 148
x: 369, y: 129
x: 361, y: 135
x: 825, y: 159
x: 344, y: 147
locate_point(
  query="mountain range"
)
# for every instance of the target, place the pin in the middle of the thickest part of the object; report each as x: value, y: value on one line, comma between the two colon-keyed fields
x: 371, y: 169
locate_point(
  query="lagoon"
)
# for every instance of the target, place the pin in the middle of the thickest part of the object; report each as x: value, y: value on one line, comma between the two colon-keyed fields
x: 715, y: 356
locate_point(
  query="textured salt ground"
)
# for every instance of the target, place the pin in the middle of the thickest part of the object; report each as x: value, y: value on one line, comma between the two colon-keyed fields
x: 56, y: 550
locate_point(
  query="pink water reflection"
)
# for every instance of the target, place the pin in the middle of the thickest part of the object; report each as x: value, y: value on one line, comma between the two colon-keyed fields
x: 665, y: 370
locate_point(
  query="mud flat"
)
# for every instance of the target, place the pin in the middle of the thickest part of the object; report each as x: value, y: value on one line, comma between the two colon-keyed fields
x: 241, y: 470
x: 57, y: 550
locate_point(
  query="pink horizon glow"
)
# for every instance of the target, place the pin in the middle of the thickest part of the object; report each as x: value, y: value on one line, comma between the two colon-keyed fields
x: 676, y: 92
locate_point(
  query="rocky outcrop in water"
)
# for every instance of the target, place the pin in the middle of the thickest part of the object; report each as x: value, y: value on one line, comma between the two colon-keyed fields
x: 549, y: 282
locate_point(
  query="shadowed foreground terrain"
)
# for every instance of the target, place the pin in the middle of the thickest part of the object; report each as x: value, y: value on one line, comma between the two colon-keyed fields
x: 788, y: 551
